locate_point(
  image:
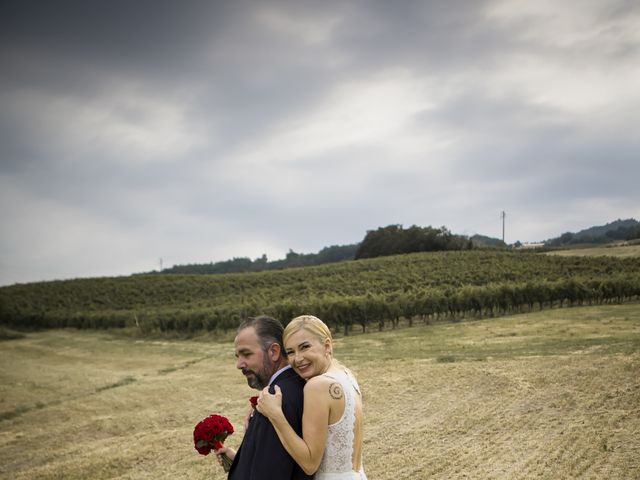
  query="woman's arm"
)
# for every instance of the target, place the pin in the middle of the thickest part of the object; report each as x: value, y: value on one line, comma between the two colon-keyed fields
x: 308, y: 450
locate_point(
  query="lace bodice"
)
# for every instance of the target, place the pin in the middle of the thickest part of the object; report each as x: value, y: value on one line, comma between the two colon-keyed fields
x: 338, y: 452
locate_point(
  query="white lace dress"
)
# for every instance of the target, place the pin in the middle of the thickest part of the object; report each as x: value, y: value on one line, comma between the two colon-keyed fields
x: 336, y: 462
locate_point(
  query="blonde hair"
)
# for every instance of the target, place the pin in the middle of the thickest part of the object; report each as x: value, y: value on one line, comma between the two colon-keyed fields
x: 319, y: 329
x: 312, y: 324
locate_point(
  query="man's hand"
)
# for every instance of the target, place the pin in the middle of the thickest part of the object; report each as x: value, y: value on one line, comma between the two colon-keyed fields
x: 229, y: 452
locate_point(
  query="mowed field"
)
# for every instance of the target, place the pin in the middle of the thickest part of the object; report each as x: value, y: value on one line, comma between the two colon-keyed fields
x: 612, y: 250
x: 546, y: 395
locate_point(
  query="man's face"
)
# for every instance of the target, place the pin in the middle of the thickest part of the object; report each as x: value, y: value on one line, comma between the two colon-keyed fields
x: 252, y: 359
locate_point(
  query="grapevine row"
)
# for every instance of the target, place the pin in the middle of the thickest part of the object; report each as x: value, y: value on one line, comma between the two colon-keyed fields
x: 372, y: 307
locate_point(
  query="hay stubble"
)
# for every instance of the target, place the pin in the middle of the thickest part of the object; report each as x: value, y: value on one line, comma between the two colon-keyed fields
x: 546, y: 395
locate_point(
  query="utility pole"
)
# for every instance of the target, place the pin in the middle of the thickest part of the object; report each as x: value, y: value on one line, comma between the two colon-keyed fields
x: 161, y: 260
x: 503, y: 215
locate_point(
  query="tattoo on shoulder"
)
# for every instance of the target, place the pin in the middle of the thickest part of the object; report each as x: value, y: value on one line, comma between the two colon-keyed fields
x: 335, y: 390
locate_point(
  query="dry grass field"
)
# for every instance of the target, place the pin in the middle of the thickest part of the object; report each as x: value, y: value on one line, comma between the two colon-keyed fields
x: 547, y: 395
x: 614, y: 250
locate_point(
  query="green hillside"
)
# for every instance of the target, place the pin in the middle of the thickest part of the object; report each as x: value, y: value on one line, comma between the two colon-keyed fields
x: 617, y: 230
x: 363, y: 292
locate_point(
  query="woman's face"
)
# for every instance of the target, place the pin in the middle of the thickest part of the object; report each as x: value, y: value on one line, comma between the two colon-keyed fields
x: 307, y: 354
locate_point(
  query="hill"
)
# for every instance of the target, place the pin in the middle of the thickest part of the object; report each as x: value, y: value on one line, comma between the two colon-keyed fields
x: 394, y: 239
x: 385, y: 241
x: 364, y: 293
x: 482, y: 241
x: 618, y: 230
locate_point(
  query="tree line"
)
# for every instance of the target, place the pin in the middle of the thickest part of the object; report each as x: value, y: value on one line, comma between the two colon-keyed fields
x: 394, y: 240
x: 334, y: 253
x: 385, y: 241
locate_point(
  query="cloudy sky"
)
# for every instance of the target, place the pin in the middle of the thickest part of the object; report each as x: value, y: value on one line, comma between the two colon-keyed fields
x: 198, y: 131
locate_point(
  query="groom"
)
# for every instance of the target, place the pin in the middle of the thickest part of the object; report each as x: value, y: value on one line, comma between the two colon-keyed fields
x: 260, y: 356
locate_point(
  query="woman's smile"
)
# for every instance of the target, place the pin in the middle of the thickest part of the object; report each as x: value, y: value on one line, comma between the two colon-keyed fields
x: 302, y: 368
x: 307, y: 355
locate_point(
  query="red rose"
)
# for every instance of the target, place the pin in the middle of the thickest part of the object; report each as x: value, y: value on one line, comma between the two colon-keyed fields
x: 209, y: 434
x: 253, y: 401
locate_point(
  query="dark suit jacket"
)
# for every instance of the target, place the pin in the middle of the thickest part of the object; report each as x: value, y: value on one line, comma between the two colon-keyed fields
x: 261, y: 456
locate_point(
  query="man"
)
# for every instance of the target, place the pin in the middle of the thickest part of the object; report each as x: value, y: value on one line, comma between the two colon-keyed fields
x: 260, y: 357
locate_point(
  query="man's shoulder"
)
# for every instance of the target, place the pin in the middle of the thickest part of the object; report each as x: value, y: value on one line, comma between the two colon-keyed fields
x: 292, y: 386
x: 289, y: 377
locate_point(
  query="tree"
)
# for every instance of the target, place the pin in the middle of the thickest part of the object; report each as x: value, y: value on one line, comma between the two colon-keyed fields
x: 394, y: 240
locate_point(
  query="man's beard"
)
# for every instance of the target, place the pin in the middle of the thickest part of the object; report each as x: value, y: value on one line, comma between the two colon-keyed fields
x: 260, y: 379
x: 257, y: 380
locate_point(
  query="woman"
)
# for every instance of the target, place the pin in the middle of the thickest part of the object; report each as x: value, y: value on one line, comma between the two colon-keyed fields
x: 332, y: 422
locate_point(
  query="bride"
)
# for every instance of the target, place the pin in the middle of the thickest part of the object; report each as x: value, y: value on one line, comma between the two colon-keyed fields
x: 332, y: 422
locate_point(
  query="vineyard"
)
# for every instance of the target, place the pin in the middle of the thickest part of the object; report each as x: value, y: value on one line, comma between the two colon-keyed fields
x: 363, y: 294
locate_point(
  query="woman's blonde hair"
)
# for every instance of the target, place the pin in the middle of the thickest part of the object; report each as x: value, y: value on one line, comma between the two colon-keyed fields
x: 312, y: 324
x: 319, y: 329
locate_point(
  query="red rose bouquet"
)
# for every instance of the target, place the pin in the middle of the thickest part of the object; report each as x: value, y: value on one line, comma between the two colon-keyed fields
x: 210, y: 433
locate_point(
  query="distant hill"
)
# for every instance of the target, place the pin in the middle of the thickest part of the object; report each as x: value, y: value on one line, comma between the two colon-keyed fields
x: 395, y: 239
x: 390, y: 240
x: 482, y: 241
x: 618, y: 230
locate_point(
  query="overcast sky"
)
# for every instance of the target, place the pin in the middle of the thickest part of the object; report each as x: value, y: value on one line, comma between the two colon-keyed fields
x: 199, y: 131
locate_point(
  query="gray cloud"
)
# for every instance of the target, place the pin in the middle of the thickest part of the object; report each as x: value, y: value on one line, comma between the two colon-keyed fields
x: 197, y: 131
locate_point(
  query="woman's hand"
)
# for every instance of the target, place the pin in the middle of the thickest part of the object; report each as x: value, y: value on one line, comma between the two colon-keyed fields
x: 270, y: 405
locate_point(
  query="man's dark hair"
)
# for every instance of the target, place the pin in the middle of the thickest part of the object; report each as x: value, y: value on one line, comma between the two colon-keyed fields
x: 268, y: 329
